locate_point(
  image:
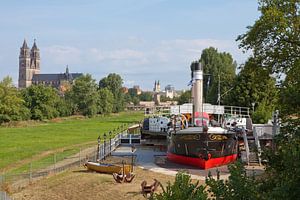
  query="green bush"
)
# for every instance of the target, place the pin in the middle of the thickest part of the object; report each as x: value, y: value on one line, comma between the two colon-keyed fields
x: 182, y: 188
x: 238, y: 186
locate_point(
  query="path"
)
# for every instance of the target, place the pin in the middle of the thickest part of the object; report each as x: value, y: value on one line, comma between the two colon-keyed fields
x: 152, y: 159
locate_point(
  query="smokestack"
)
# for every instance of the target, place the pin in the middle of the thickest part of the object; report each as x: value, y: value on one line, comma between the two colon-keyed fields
x: 197, y: 89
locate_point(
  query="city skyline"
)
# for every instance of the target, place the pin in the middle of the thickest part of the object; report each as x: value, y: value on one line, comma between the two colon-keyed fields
x: 143, y: 41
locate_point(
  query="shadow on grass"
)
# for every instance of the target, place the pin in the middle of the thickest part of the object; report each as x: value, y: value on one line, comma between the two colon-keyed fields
x: 133, y: 193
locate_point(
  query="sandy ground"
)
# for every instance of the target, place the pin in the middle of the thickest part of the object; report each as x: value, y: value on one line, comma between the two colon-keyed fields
x: 80, y: 184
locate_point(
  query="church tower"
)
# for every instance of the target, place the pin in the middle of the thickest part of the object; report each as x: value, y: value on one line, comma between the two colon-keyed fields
x: 29, y: 64
x: 35, y: 58
x: 156, y: 87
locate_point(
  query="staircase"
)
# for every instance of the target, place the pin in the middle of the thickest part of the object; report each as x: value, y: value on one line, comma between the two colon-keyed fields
x: 251, y: 147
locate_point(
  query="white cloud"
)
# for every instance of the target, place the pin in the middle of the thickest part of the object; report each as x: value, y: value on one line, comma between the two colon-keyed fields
x: 118, y: 54
x: 62, y: 55
x: 165, y: 59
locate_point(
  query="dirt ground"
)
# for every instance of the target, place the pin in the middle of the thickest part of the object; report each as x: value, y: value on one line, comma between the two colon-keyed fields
x: 78, y: 184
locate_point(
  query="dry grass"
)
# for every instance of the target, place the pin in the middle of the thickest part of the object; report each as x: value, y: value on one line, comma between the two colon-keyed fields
x: 78, y: 184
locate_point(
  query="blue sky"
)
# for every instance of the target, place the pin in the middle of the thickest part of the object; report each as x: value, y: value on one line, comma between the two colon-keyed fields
x: 142, y: 40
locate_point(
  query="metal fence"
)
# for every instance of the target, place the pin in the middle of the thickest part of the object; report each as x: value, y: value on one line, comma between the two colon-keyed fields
x: 57, y: 164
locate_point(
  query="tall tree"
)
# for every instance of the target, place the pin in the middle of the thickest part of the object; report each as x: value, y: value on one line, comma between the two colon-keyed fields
x: 84, y: 95
x: 254, y: 85
x: 275, y: 36
x: 113, y: 82
x: 217, y: 67
x: 289, y: 100
x: 106, y: 101
x: 146, y: 96
x: 42, y: 101
x: 185, y: 97
x: 12, y: 106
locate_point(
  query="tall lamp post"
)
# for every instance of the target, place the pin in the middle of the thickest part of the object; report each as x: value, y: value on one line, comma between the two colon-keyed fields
x: 104, y: 136
x: 109, y: 142
x: 98, y: 149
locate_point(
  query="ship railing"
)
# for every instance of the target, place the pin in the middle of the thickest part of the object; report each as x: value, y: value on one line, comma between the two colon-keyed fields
x: 237, y: 111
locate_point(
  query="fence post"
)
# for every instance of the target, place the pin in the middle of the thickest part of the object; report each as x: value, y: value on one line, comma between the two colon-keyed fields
x: 54, y: 162
x: 30, y: 172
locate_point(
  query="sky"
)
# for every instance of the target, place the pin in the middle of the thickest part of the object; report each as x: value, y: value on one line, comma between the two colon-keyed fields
x: 142, y: 40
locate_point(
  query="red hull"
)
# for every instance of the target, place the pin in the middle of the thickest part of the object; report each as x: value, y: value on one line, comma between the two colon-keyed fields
x: 199, y: 162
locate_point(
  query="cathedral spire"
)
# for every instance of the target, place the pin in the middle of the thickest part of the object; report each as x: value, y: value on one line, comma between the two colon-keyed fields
x: 24, y: 46
x: 34, y: 47
x: 67, y: 69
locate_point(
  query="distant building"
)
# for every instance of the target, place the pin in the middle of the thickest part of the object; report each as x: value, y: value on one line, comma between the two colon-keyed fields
x: 170, y: 91
x: 156, y: 87
x: 137, y: 89
x: 125, y: 90
x: 29, y: 70
x: 156, y: 90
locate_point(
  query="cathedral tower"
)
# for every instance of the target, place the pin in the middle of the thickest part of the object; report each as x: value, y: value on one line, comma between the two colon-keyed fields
x: 35, y: 58
x: 29, y: 64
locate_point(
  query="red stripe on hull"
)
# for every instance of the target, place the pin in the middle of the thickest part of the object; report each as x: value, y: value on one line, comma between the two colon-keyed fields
x: 199, y: 162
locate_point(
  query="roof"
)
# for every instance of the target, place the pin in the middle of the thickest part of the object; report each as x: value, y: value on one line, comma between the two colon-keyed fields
x: 24, y: 46
x: 55, y: 77
x: 192, y: 130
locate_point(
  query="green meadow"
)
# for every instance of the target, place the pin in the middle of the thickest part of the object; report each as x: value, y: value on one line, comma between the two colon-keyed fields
x: 20, y: 143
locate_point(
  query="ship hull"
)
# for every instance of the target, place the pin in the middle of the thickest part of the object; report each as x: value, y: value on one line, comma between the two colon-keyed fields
x: 200, y: 162
x: 203, y: 149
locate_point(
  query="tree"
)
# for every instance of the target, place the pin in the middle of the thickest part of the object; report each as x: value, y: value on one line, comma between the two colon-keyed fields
x: 238, y: 186
x: 12, y: 106
x: 182, y: 188
x: 146, y: 96
x: 185, y: 97
x: 106, y: 101
x: 275, y: 36
x: 254, y: 85
x: 42, y: 101
x: 216, y: 66
x: 289, y: 100
x: 84, y: 95
x: 113, y: 82
x: 282, y: 177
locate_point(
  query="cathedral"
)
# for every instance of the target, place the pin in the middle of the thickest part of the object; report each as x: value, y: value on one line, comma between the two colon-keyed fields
x: 29, y: 70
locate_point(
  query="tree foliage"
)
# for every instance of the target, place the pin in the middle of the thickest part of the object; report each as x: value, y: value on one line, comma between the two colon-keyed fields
x: 84, y: 95
x: 238, y: 186
x: 106, y: 101
x: 42, y: 101
x: 182, y: 188
x: 12, y: 106
x: 275, y: 36
x: 216, y: 64
x: 289, y: 100
x: 254, y: 85
x: 146, y: 96
x: 283, y: 164
x: 113, y: 82
x: 185, y: 97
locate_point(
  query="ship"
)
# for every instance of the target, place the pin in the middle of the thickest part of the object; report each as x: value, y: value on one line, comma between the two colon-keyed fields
x: 155, y: 127
x: 203, y: 143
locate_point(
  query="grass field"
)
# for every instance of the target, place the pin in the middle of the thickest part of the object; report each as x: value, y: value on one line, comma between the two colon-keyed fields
x: 20, y: 143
